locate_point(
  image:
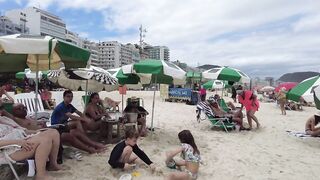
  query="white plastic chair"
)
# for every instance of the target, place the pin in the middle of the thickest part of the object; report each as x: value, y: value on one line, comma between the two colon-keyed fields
x: 31, y: 165
x: 29, y: 101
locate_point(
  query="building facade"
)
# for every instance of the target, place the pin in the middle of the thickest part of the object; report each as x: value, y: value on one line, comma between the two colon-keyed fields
x: 95, y: 52
x: 158, y: 52
x: 40, y: 22
x: 74, y: 38
x: 7, y: 27
x: 109, y: 54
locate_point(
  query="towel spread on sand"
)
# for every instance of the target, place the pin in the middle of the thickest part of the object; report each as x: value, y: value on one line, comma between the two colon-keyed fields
x: 299, y: 134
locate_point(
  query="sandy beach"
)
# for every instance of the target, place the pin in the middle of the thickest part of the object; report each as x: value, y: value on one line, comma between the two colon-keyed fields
x: 266, y: 153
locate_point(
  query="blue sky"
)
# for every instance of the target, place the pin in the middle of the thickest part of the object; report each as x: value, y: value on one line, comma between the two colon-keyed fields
x: 262, y: 38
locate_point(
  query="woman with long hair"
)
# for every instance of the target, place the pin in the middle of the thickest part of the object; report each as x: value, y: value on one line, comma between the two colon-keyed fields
x: 190, y: 155
x: 94, y: 110
x: 281, y: 97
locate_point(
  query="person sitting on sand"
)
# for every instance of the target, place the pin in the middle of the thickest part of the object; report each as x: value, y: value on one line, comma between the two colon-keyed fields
x: 311, y: 124
x: 40, y: 145
x: 95, y: 111
x: 133, y: 107
x: 110, y: 103
x: 126, y: 154
x: 190, y: 155
x: 76, y: 136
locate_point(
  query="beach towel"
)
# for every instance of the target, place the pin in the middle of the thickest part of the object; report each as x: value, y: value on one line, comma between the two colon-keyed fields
x: 300, y: 134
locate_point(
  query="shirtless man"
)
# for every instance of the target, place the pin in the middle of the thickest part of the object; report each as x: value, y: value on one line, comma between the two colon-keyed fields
x: 311, y: 124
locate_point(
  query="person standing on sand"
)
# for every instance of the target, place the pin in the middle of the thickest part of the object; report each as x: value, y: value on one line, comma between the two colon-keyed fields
x: 250, y: 101
x: 281, y: 97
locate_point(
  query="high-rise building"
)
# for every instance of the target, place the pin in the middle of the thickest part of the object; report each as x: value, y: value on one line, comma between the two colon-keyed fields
x: 110, y: 54
x: 7, y: 27
x: 95, y: 52
x: 114, y: 54
x: 74, y: 38
x: 158, y: 52
x: 40, y: 22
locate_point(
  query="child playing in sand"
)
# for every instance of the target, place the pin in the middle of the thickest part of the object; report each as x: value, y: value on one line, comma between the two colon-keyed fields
x: 122, y: 156
x: 190, y: 155
x: 311, y: 124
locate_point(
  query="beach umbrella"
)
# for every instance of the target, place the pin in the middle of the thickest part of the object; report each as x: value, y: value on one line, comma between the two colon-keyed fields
x: 31, y: 75
x: 304, y: 89
x: 39, y: 53
x: 287, y: 85
x: 316, y: 96
x: 156, y: 71
x: 215, y: 84
x: 90, y: 79
x: 227, y: 74
x: 267, y: 89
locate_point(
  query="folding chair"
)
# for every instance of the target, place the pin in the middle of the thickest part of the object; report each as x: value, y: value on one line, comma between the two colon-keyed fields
x: 221, y: 122
x: 31, y: 165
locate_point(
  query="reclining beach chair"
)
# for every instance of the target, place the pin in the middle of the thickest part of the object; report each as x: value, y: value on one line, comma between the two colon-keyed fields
x: 224, y: 105
x: 31, y: 164
x: 28, y: 100
x: 221, y: 122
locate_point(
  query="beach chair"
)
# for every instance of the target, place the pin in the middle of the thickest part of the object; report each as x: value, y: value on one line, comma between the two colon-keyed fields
x: 31, y: 164
x: 221, y: 122
x: 224, y: 105
x: 29, y: 101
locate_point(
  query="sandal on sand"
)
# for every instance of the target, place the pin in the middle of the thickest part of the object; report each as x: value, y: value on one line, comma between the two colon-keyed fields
x: 76, y: 155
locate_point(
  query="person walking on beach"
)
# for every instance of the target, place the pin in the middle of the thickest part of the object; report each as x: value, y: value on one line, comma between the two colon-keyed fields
x: 203, y: 93
x: 281, y: 97
x: 126, y: 154
x: 190, y: 155
x: 250, y: 101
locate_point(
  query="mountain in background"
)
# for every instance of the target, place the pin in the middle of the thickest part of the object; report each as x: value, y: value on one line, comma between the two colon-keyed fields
x: 297, y: 76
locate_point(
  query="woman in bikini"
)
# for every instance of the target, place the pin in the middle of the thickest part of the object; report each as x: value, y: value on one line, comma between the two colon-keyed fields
x: 190, y: 155
x: 95, y: 112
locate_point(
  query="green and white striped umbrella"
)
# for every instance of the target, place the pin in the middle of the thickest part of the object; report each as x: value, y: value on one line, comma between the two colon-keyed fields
x: 304, y: 89
x: 316, y: 96
x: 156, y: 71
x: 130, y: 80
x: 227, y: 74
x: 214, y: 84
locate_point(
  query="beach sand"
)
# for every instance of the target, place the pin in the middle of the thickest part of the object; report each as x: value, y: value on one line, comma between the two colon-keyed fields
x: 266, y: 153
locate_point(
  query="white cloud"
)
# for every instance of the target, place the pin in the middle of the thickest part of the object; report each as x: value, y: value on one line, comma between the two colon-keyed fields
x: 258, y: 34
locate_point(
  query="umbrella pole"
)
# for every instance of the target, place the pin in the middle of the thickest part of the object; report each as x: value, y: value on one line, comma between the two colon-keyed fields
x: 122, y: 101
x: 86, y: 93
x: 37, y: 88
x: 154, y: 95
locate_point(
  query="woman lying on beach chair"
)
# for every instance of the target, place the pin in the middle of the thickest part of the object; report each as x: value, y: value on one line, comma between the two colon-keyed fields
x: 221, y: 122
x: 41, y: 145
x: 235, y: 115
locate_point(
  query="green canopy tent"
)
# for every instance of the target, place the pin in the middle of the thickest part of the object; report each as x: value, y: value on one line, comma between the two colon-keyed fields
x: 39, y: 53
x: 156, y: 71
